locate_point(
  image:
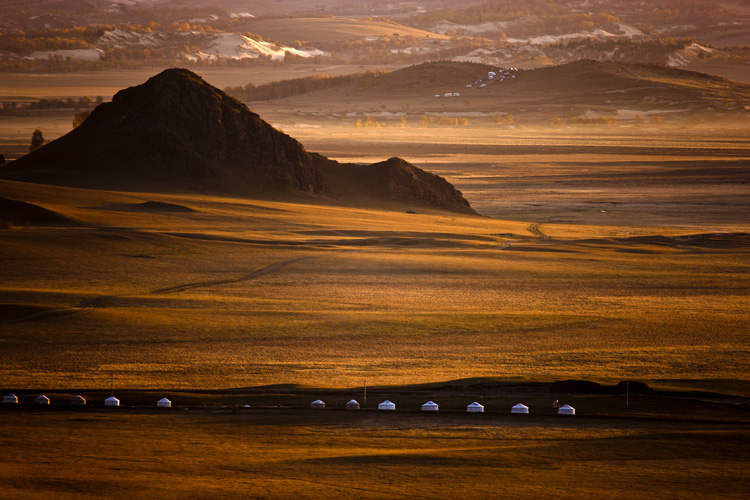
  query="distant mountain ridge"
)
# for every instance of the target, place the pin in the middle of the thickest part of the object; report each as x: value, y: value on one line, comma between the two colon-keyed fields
x: 177, y: 132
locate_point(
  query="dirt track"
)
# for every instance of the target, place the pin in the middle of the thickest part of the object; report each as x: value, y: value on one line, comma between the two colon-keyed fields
x: 88, y: 305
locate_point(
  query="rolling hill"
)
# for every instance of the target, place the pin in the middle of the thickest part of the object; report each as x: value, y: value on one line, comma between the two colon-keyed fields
x: 582, y: 88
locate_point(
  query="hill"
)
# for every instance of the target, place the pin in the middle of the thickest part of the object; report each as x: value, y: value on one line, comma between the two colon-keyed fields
x: 583, y: 88
x: 176, y: 132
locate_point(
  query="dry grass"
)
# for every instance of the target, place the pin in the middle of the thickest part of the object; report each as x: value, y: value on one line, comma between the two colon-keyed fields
x: 334, y: 454
x: 393, y: 297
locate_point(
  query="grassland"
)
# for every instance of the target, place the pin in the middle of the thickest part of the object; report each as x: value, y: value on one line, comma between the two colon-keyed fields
x: 220, y: 453
x: 604, y: 283
x: 608, y: 254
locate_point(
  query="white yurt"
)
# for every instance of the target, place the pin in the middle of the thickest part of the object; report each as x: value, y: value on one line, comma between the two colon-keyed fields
x: 78, y: 401
x: 386, y: 405
x: 475, y: 408
x: 430, y: 406
x: 352, y: 405
x: 566, y: 410
x: 111, y: 401
x: 520, y: 408
x: 164, y: 403
x: 42, y: 400
x: 318, y: 405
x: 10, y: 398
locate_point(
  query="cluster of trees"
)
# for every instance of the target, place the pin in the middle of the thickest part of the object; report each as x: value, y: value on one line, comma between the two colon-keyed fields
x: 370, y: 122
x: 609, y: 121
x: 20, y: 43
x: 500, y: 120
x: 298, y: 86
x: 644, y: 51
x: 84, y: 102
x: 443, y: 121
x: 672, y: 12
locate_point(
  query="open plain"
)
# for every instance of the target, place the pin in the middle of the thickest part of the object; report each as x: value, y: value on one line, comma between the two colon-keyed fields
x: 600, y: 253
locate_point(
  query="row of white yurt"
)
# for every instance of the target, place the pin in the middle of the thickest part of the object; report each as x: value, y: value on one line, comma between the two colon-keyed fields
x: 566, y: 410
x: 430, y: 406
x: 42, y: 400
x: 520, y: 408
x: 164, y: 403
x: 352, y: 405
x: 10, y: 399
x: 386, y: 405
x: 111, y: 401
x: 78, y: 401
x: 317, y: 405
x: 475, y: 408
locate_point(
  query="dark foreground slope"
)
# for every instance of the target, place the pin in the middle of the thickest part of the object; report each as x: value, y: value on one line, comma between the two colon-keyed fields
x: 176, y: 132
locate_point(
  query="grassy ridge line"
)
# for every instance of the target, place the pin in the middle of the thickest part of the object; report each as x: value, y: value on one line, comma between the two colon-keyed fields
x: 296, y: 86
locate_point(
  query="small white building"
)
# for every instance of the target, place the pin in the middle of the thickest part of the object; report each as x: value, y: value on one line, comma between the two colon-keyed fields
x: 164, y: 403
x: 10, y: 399
x: 475, y: 408
x: 111, y: 401
x: 430, y: 406
x: 42, y: 400
x: 566, y: 410
x: 78, y: 401
x: 352, y: 405
x: 448, y: 94
x: 386, y: 405
x: 456, y: 94
x: 519, y: 408
x: 318, y: 405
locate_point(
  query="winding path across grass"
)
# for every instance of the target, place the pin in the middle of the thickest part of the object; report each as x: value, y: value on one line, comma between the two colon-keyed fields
x: 534, y: 229
x: 88, y: 305
x: 255, y: 274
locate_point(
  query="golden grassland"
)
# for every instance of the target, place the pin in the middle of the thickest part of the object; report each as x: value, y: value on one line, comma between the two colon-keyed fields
x: 580, y: 283
x: 122, y: 453
x: 589, y: 268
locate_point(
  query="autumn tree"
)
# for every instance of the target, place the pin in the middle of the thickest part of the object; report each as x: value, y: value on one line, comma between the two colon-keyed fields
x: 37, y: 140
x: 80, y: 117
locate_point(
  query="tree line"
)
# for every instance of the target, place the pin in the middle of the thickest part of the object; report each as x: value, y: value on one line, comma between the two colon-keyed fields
x: 298, y: 86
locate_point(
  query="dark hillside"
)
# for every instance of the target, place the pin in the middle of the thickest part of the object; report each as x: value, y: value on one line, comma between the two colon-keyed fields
x: 175, y: 129
x: 176, y: 133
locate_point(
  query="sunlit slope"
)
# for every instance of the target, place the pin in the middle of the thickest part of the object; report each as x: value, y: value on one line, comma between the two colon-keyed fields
x: 205, y: 292
x: 329, y: 29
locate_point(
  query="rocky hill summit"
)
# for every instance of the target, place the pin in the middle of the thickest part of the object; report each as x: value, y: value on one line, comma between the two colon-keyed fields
x: 177, y: 132
x: 176, y: 128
